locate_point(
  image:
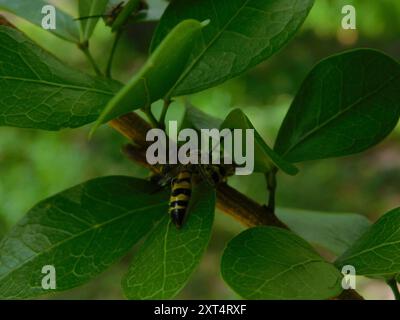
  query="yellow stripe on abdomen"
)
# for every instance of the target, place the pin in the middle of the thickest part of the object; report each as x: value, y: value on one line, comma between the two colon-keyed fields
x: 180, y: 197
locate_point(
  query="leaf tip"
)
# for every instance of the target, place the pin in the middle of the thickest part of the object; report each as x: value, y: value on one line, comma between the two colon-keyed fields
x: 93, y: 130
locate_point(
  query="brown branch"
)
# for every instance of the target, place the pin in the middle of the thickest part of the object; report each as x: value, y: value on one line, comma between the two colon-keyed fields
x: 5, y: 22
x: 244, y: 209
x: 133, y: 127
x: 229, y: 200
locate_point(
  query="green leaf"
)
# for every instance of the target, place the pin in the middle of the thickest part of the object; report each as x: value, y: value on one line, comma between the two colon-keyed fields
x: 38, y: 91
x: 272, y: 263
x: 242, y: 33
x: 66, y: 27
x: 333, y: 231
x: 347, y: 104
x: 195, y: 118
x: 2, y: 226
x: 264, y: 157
x: 376, y: 253
x: 168, y: 257
x: 158, y: 75
x: 80, y: 232
x: 90, y: 8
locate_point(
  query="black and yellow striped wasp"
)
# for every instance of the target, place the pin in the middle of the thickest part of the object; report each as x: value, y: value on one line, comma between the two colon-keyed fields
x: 182, y: 178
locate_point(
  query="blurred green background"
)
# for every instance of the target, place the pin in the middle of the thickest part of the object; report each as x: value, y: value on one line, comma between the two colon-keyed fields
x: 36, y: 164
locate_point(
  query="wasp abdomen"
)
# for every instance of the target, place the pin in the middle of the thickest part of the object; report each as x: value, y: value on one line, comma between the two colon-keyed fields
x: 180, y: 197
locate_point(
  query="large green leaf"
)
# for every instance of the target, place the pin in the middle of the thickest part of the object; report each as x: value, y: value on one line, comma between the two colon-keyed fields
x: 90, y: 8
x: 31, y: 10
x: 38, y: 91
x: 80, y: 232
x: 158, y: 75
x: 272, y: 263
x: 265, y: 159
x: 377, y: 252
x: 348, y: 103
x: 168, y: 257
x: 333, y: 231
x: 242, y: 33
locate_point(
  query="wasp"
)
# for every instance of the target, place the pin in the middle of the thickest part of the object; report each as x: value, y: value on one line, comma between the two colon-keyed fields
x: 182, y: 178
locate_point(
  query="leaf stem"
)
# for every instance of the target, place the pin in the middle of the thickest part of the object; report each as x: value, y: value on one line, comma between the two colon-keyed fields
x: 271, y: 186
x: 167, y: 103
x: 393, y: 285
x: 85, y: 49
x: 150, y: 116
x: 112, y: 53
